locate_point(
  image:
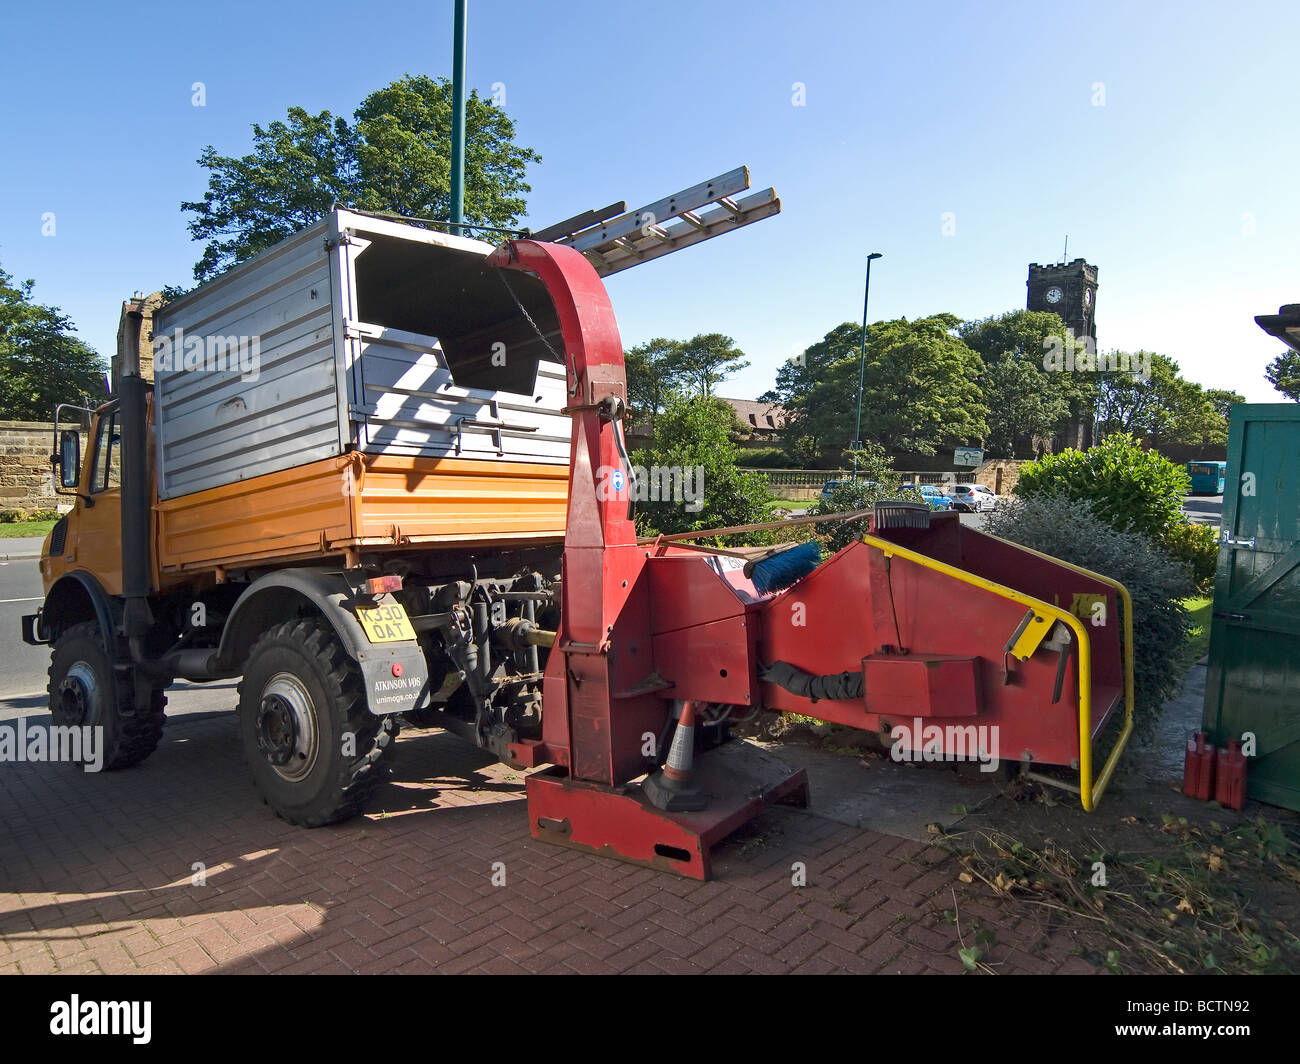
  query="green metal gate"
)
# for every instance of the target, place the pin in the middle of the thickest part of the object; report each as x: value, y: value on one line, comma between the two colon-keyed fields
x: 1253, y: 684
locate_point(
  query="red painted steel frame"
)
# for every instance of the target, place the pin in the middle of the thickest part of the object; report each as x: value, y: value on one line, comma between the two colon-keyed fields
x: 601, y: 693
x: 844, y: 613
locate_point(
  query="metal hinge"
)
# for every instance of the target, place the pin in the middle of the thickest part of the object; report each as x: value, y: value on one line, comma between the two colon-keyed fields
x: 342, y: 240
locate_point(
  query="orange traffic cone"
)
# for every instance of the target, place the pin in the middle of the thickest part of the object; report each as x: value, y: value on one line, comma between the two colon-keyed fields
x: 669, y: 788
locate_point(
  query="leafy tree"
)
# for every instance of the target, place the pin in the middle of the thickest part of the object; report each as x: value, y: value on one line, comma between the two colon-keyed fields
x: 1044, y: 400
x: 1223, y: 400
x: 797, y: 378
x: 706, y: 360
x: 395, y: 156
x: 919, y: 389
x: 1284, y: 374
x: 1022, y: 332
x: 651, y: 377
x: 805, y: 450
x: 1130, y: 487
x: 694, y: 435
x: 1020, y: 403
x: 42, y: 362
x: 1163, y: 407
x: 815, y: 414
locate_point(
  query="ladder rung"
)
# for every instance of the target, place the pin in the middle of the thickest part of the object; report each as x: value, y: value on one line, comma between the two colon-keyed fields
x: 628, y: 251
x: 663, y: 210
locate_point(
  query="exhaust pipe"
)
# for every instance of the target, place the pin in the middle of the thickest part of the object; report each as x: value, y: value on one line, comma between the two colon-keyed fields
x: 137, y: 617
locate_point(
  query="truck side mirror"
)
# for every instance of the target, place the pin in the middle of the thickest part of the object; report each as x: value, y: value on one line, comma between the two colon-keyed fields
x: 69, y: 458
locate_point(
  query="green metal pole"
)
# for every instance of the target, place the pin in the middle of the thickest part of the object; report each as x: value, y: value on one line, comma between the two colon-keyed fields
x: 862, y: 363
x: 459, y: 38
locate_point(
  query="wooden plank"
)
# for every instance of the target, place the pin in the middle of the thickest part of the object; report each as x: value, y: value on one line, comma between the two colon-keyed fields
x: 572, y: 226
x: 662, y: 210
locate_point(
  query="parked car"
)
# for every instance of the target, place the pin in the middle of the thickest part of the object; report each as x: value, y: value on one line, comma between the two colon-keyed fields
x: 972, y: 498
x: 867, y: 489
x: 934, y: 496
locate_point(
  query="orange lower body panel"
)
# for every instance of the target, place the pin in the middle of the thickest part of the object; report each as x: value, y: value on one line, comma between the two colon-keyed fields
x: 359, y: 500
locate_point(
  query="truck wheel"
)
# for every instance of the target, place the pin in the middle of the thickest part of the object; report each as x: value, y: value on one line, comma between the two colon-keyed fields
x: 312, y: 743
x: 85, y: 690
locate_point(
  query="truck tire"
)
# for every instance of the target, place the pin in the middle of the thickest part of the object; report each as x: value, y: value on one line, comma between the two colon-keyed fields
x: 85, y: 690
x: 313, y: 745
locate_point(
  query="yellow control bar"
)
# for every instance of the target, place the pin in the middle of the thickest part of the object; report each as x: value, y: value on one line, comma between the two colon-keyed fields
x: 1089, y: 792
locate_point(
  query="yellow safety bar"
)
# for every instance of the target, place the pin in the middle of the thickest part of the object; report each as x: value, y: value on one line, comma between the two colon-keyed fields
x: 1109, y: 768
x: 1089, y: 793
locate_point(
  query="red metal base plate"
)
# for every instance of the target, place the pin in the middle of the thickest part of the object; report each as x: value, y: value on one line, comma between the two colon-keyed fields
x: 740, y: 779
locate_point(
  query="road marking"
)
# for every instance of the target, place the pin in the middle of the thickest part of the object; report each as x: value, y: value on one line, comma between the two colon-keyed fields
x: 38, y: 598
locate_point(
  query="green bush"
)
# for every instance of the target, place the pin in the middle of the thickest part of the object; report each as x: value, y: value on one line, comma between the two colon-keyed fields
x: 692, y: 435
x: 9, y: 517
x: 1073, y: 531
x: 1131, y: 489
x: 762, y: 458
x: 1197, y: 547
x: 876, y: 480
x: 44, y: 515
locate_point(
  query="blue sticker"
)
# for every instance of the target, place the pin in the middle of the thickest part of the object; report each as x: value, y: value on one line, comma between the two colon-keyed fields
x: 617, y: 480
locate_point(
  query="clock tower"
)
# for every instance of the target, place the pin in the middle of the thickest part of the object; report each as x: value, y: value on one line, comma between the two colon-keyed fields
x: 1068, y: 290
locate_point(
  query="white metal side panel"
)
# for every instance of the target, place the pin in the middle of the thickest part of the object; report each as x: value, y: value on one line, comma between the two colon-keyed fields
x: 220, y: 425
x: 406, y: 402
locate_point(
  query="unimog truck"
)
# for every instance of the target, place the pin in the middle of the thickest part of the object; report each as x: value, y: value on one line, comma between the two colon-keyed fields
x: 380, y: 475
x: 347, y: 485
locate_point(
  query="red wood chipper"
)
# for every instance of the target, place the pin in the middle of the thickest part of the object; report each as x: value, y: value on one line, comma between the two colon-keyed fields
x: 952, y: 642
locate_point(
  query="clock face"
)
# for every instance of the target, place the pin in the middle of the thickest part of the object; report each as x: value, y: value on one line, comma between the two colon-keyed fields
x: 1054, y: 295
x: 1087, y: 298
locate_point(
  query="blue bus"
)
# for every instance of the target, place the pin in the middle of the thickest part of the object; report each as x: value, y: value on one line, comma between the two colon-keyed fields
x: 1207, y: 477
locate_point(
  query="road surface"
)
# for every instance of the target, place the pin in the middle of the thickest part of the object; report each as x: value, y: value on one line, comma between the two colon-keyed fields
x: 23, y: 675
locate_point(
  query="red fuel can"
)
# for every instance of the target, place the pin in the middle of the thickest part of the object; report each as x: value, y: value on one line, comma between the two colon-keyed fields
x: 1230, y: 787
x: 1205, y: 756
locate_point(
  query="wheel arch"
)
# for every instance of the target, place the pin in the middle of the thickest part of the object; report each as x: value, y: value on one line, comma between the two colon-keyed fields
x: 282, y: 596
x: 76, y: 597
x: 395, y: 673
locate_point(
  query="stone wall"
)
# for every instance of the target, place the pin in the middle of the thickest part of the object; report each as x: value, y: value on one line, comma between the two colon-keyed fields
x: 1000, y: 474
x: 26, y: 478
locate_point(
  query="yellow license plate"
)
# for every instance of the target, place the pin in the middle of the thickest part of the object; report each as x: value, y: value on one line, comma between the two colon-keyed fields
x: 385, y: 624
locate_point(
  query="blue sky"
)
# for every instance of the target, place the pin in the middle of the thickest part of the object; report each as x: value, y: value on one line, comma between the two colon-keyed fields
x: 1181, y: 188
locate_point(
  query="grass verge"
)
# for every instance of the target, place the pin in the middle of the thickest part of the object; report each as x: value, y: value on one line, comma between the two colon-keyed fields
x: 1198, y: 639
x: 20, y: 529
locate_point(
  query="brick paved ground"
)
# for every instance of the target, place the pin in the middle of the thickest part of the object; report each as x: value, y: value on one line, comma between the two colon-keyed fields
x: 95, y: 876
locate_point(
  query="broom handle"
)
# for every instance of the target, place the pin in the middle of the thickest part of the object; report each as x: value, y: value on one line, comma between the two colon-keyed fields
x: 851, y: 515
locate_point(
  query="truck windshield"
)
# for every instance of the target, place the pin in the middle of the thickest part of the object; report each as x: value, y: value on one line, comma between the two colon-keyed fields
x: 107, y: 469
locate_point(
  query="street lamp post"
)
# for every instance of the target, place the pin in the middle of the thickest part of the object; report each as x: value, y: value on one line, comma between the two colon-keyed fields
x: 460, y: 37
x: 862, y: 364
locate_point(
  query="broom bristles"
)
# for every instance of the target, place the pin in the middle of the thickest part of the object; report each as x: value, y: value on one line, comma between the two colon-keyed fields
x: 781, y: 570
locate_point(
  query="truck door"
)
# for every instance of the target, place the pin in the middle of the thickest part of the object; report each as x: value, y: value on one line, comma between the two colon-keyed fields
x: 98, y: 528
